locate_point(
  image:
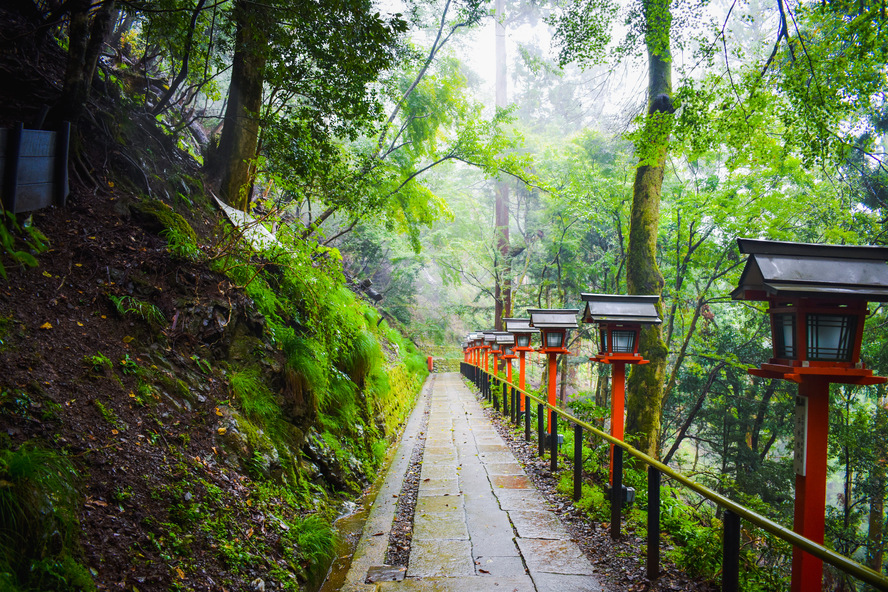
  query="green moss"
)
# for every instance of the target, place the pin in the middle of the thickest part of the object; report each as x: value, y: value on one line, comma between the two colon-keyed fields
x: 38, y: 522
x: 159, y: 216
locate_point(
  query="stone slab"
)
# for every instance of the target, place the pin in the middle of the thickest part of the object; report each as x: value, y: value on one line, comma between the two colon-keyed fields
x: 520, y: 499
x: 430, y: 558
x: 511, y: 482
x: 439, y: 471
x: 439, y: 526
x: 439, y: 503
x: 496, y: 457
x: 496, y: 567
x: 547, y: 582
x: 467, y: 584
x: 532, y: 524
x: 507, y: 468
x: 561, y: 557
x: 493, y: 448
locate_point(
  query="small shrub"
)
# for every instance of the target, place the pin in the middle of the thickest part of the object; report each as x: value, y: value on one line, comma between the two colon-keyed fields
x: 38, y: 509
x: 253, y: 396
x: 127, y: 306
x: 98, y: 363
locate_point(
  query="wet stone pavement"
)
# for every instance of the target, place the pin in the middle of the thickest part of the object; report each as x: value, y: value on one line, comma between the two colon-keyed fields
x: 479, y: 523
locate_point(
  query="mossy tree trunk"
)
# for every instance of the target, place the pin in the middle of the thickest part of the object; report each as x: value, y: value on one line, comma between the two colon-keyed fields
x: 233, y: 164
x: 646, y: 382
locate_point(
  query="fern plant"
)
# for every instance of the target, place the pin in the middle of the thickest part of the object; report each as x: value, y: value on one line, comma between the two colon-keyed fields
x: 34, y: 240
x: 129, y: 306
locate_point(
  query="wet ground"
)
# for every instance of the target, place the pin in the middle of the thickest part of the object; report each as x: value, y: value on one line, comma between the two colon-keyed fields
x: 479, y: 523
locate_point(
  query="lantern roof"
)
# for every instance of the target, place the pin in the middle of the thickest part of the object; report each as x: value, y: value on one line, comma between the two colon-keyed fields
x: 489, y: 336
x: 553, y: 318
x: 505, y: 338
x: 519, y: 326
x: 808, y: 270
x: 618, y: 308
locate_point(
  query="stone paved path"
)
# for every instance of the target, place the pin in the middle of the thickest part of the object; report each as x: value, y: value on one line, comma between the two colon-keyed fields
x: 479, y: 524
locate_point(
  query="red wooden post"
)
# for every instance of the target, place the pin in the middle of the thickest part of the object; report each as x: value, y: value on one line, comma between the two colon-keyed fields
x: 618, y: 404
x: 553, y: 375
x: 521, y: 375
x: 810, y: 500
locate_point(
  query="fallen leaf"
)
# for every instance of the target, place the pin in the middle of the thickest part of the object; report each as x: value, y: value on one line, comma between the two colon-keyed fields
x: 128, y: 339
x: 47, y: 274
x: 483, y: 570
x: 379, y: 534
x: 218, y: 412
x: 221, y: 431
x: 115, y: 432
x: 46, y: 325
x: 180, y: 573
x: 79, y: 324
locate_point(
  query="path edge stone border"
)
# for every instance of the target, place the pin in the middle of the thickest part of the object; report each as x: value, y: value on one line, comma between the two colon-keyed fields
x: 373, y: 544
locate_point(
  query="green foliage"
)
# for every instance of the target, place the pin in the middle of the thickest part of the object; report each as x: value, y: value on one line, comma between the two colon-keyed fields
x: 129, y: 365
x: 108, y: 415
x: 253, y: 396
x: 128, y: 306
x: 181, y: 243
x: 38, y: 522
x: 12, y: 235
x: 98, y: 363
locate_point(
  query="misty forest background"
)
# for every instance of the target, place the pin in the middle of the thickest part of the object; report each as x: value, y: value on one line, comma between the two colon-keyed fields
x: 474, y: 159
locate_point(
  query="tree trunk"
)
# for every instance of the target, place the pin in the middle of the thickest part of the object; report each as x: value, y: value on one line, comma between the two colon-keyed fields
x: 233, y: 163
x: 85, y: 41
x: 503, y: 305
x: 645, y: 384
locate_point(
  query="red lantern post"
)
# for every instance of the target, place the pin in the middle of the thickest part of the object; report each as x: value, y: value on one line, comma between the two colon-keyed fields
x: 816, y: 297
x: 619, y: 320
x: 554, y: 325
x: 523, y: 333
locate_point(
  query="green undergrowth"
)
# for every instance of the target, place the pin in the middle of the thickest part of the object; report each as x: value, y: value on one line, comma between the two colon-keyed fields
x: 691, y: 528
x: 347, y: 382
x: 201, y: 515
x: 39, y: 503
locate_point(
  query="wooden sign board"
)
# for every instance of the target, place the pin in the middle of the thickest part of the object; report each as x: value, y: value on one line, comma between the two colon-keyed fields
x: 33, y: 168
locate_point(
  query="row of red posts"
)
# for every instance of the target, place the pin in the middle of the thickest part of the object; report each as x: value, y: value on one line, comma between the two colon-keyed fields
x: 817, y: 299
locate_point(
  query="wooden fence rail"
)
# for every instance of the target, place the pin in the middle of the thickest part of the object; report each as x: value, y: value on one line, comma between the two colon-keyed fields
x: 489, y: 384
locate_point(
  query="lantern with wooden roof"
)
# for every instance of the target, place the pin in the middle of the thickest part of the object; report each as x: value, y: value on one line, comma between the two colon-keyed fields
x: 817, y: 297
x: 553, y: 323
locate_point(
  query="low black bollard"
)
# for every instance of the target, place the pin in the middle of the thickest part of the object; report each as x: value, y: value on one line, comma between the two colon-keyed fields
x: 731, y: 553
x: 617, y: 492
x: 505, y: 399
x: 653, y: 524
x: 578, y: 462
x: 553, y: 450
x: 526, y: 418
x: 541, y: 428
x: 495, y: 397
x: 514, y: 397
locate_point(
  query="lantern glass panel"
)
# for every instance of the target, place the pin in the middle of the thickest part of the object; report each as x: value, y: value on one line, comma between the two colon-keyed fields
x: 603, y: 346
x: 495, y: 346
x: 830, y: 336
x: 784, y: 334
x: 623, y: 341
x: 554, y: 338
x: 522, y: 339
x: 508, y: 351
